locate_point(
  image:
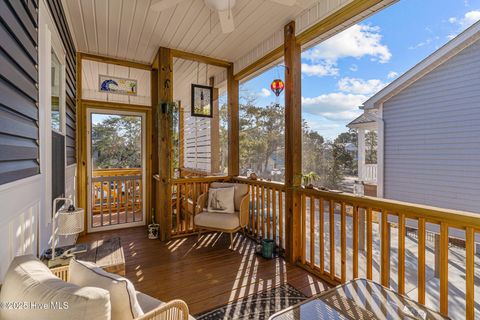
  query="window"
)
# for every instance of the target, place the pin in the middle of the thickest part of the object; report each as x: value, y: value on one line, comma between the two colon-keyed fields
x: 57, y: 103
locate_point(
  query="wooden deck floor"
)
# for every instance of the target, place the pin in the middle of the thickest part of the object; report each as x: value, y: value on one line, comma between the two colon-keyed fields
x: 206, y: 274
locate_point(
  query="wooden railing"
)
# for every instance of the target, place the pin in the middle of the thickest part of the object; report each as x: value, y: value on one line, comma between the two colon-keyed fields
x: 185, y: 192
x: 329, y: 219
x: 117, y: 196
x: 344, y: 236
x: 267, y: 210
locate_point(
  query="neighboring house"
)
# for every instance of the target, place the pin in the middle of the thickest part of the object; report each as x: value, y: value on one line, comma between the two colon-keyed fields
x: 428, y: 123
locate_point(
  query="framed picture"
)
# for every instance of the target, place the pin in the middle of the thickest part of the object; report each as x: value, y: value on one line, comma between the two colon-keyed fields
x: 117, y: 85
x: 202, y: 101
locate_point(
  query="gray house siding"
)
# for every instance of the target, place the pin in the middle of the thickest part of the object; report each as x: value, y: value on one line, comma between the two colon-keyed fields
x: 432, y: 137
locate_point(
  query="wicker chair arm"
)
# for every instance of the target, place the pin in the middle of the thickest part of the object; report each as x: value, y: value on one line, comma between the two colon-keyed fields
x: 172, y: 310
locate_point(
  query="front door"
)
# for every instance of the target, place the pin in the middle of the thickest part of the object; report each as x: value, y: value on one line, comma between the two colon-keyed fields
x: 116, y: 169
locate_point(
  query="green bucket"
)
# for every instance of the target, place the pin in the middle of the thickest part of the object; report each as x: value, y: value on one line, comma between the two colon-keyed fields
x: 267, y: 248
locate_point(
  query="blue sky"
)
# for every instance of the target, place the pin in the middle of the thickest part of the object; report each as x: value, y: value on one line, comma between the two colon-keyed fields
x: 339, y: 74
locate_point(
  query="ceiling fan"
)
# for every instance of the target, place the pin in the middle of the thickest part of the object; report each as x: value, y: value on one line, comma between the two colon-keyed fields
x: 224, y: 9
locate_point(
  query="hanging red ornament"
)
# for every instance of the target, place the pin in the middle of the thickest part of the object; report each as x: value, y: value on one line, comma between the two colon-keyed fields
x: 277, y: 86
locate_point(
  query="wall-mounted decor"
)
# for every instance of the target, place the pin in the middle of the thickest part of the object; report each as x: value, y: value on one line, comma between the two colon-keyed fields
x: 202, y: 101
x: 117, y: 85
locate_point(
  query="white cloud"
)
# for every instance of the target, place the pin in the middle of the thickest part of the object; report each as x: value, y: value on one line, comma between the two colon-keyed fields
x: 424, y: 43
x: 357, y: 41
x: 392, y: 74
x: 334, y: 106
x: 319, y: 70
x: 264, y: 93
x: 360, y: 86
x: 467, y: 20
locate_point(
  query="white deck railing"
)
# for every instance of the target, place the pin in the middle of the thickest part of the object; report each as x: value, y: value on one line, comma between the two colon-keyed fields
x: 370, y: 173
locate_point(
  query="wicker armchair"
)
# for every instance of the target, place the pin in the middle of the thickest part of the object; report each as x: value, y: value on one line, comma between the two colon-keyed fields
x: 172, y: 310
x: 222, y: 222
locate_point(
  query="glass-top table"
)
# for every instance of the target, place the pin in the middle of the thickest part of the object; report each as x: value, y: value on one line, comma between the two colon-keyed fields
x: 356, y: 300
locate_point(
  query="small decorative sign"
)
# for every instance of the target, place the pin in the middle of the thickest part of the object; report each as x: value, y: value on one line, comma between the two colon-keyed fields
x: 202, y: 101
x: 117, y: 85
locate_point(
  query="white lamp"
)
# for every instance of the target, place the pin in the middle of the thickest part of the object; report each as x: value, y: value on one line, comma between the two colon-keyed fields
x: 69, y: 222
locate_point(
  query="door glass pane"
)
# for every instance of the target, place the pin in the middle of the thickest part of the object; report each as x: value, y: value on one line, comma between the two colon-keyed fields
x: 116, y: 162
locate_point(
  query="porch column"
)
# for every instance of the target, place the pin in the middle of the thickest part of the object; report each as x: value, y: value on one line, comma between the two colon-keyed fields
x: 164, y: 144
x: 233, y: 124
x: 293, y: 142
x: 361, y: 153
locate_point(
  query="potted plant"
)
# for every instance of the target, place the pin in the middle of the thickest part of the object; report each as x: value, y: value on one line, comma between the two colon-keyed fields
x: 309, y: 178
x: 153, y: 227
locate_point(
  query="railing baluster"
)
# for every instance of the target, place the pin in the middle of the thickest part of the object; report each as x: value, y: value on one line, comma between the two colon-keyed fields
x: 257, y: 210
x: 119, y: 194
x: 470, y: 273
x: 321, y: 219
x: 343, y: 243
x: 331, y: 224
x: 267, y: 189
x: 109, y: 194
x: 385, y: 247
x: 280, y: 217
x: 274, y: 209
x: 421, y: 260
x: 251, y: 208
x: 101, y: 203
x: 444, y: 268
x: 134, y: 199
x: 401, y: 253
x: 355, y: 242
x: 369, y: 243
x: 312, y: 232
x: 263, y: 211
x: 177, y: 207
x: 304, y: 226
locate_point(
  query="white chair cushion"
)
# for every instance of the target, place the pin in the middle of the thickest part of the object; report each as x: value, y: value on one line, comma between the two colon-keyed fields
x: 29, y: 280
x: 241, y: 190
x: 221, y: 200
x: 148, y: 303
x: 224, y: 221
x: 123, y: 296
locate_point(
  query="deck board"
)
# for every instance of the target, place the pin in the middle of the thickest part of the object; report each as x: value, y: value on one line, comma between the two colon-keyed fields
x: 206, y: 274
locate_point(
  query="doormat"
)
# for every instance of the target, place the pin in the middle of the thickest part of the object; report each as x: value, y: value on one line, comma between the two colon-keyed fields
x: 258, y: 306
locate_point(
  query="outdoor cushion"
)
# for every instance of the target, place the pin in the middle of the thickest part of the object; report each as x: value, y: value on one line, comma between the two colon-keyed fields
x: 123, y: 296
x: 241, y: 190
x: 221, y: 200
x: 224, y: 221
x: 29, y: 280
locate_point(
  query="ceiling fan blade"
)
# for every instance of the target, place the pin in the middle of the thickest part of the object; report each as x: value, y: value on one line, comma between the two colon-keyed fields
x: 289, y: 3
x: 226, y: 21
x: 164, y: 5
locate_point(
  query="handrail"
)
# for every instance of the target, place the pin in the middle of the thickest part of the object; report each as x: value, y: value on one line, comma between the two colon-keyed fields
x: 273, y: 184
x: 411, y: 210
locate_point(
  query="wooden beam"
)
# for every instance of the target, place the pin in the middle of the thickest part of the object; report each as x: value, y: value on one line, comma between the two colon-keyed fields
x: 181, y: 136
x: 154, y: 141
x: 164, y: 141
x: 293, y: 142
x: 351, y: 12
x: 118, y: 62
x: 233, y: 125
x: 261, y: 63
x: 215, y: 131
x: 346, y: 14
x: 200, y: 58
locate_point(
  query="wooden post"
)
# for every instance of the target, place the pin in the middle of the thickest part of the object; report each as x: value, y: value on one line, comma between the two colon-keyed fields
x: 181, y: 138
x: 215, y: 132
x: 293, y: 142
x: 154, y: 141
x: 164, y: 142
x: 233, y: 124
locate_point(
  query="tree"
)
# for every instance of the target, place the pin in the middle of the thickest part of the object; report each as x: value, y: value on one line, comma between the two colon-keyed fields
x: 116, y: 142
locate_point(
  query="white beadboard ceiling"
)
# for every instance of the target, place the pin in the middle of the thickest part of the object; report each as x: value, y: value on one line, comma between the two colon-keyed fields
x: 129, y: 29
